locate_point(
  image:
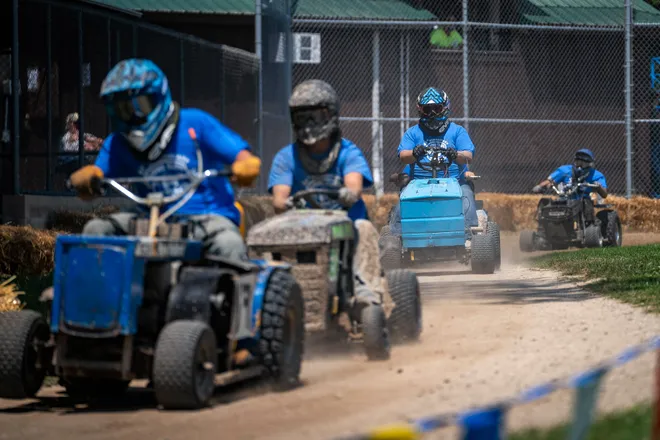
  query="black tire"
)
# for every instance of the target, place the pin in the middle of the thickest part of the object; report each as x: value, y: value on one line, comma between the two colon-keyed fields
x: 95, y: 387
x: 390, y: 252
x: 21, y: 335
x: 282, y: 330
x: 610, y: 226
x: 493, y: 230
x: 527, y: 241
x: 405, y: 322
x: 593, y: 238
x: 185, y: 363
x: 483, y: 254
x: 374, y: 332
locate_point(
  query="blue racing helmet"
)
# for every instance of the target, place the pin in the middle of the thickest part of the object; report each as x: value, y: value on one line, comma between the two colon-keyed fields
x: 433, y: 107
x: 138, y: 100
x: 584, y: 158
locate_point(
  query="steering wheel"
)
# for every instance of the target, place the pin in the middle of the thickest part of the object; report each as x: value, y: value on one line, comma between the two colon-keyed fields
x: 438, y: 157
x: 306, y: 195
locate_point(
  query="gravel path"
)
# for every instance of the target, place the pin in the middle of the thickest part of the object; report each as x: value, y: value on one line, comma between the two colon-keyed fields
x: 485, y: 338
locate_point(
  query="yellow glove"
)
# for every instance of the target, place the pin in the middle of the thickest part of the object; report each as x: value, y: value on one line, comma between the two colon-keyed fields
x: 82, y: 180
x: 246, y: 171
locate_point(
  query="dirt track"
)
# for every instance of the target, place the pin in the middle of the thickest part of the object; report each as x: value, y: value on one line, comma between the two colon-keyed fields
x: 485, y: 338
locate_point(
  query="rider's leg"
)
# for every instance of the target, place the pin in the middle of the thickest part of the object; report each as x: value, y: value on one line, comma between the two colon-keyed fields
x: 366, y: 264
x: 115, y: 224
x: 469, y: 209
x: 220, y: 236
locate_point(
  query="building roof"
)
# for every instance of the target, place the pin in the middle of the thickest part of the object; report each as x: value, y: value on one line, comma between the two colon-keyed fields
x: 586, y: 12
x: 342, y: 9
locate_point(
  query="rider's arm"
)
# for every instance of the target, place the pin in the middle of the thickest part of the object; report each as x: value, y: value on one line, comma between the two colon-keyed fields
x: 602, y: 188
x: 356, y: 171
x: 464, y: 147
x: 406, y: 148
x: 354, y: 182
x: 280, y: 179
x: 281, y: 194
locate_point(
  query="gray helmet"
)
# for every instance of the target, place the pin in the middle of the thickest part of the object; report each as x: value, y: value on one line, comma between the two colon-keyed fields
x: 309, y: 124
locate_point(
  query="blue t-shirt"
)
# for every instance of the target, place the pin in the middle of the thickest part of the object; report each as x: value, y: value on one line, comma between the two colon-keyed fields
x: 455, y: 136
x: 218, y: 145
x: 288, y: 170
x: 564, y: 175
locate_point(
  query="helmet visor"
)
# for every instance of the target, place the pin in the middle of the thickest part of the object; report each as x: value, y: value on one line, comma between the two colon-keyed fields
x: 133, y: 110
x: 305, y: 118
x: 581, y: 163
x: 432, y: 110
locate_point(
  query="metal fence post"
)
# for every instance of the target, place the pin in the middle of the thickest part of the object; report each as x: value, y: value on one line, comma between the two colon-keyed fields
x: 466, y: 68
x: 15, y: 91
x: 628, y: 92
x: 407, y: 107
x: 376, y: 149
x: 258, y: 47
x: 49, y: 97
x: 81, y: 97
x: 402, y: 102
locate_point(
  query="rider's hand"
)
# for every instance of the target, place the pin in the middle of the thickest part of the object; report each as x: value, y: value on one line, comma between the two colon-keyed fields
x: 418, y: 152
x: 451, y: 154
x: 537, y: 189
x: 347, y: 198
x: 85, y: 180
x: 291, y: 204
x: 469, y: 174
x: 246, y: 171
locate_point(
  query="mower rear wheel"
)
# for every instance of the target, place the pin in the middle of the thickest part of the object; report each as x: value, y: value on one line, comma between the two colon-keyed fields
x: 282, y: 330
x: 390, y: 252
x: 483, y: 254
x: 405, y: 322
x: 527, y: 241
x: 610, y: 226
x: 493, y: 229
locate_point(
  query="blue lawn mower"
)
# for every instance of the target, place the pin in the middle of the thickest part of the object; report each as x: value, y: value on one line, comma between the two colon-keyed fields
x: 149, y: 305
x: 428, y: 224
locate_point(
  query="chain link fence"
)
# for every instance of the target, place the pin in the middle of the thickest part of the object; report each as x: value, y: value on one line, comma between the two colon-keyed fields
x: 65, y: 52
x: 531, y: 85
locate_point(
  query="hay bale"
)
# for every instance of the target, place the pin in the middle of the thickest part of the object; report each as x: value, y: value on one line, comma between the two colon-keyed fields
x: 515, y: 212
x: 9, y: 296
x: 26, y: 251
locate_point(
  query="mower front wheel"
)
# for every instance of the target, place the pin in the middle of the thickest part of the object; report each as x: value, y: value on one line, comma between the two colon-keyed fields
x: 24, y: 335
x: 185, y: 364
x: 375, y: 333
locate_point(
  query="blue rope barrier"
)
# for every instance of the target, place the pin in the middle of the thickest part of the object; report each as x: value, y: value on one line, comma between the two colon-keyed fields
x: 483, y: 422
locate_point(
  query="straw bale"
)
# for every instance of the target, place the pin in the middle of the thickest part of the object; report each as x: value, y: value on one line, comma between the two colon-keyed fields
x: 26, y: 251
x: 9, y: 296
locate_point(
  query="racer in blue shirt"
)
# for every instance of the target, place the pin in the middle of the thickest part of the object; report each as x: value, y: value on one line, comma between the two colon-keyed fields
x: 582, y: 170
x: 433, y: 107
x: 321, y: 158
x: 151, y: 139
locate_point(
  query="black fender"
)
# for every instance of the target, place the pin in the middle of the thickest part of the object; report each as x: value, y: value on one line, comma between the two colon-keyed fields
x: 190, y: 298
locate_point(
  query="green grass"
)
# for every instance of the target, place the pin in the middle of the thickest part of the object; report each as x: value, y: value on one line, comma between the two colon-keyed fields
x: 630, y: 274
x: 631, y: 424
